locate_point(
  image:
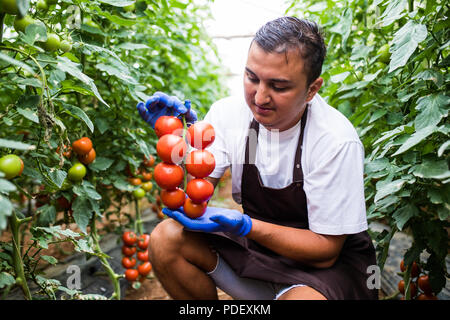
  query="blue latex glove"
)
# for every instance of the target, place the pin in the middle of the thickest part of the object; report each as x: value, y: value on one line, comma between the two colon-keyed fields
x: 213, y: 220
x: 160, y: 104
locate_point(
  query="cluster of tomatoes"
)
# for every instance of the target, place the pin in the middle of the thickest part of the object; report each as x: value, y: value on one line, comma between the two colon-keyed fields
x: 141, y: 177
x: 133, y: 244
x: 172, y: 149
x: 422, y: 282
x: 85, y: 154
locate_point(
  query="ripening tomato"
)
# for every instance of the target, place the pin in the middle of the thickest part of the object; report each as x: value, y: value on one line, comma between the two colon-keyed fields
x: 424, y: 284
x: 142, y: 255
x: 424, y: 296
x: 200, y: 163
x: 149, y: 162
x: 128, y: 251
x: 168, y: 176
x: 88, y: 158
x: 168, y: 125
x: 199, y: 190
x: 201, y: 134
x: 171, y: 148
x: 128, y: 262
x: 11, y: 165
x: 135, y: 181
x: 77, y: 172
x: 143, y: 241
x: 82, y: 146
x: 145, y: 268
x: 194, y: 210
x: 131, y: 274
x: 129, y: 238
x: 173, y: 199
x: 413, y: 288
x: 67, y: 151
x: 147, y: 186
x: 146, y: 176
x: 415, y: 269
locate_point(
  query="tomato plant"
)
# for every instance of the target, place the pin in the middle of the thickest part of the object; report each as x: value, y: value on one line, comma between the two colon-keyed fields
x: 74, y: 71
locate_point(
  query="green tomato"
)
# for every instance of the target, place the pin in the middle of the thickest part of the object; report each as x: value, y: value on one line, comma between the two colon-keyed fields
x: 129, y: 8
x: 42, y: 5
x: 379, y: 66
x: 77, y: 172
x: 52, y: 42
x: 384, y: 54
x: 9, y: 6
x: 22, y: 24
x: 11, y: 165
x: 65, y: 46
x: 139, y: 193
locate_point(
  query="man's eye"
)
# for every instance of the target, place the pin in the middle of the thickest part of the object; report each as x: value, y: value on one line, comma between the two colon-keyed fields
x: 279, y: 88
x: 254, y: 80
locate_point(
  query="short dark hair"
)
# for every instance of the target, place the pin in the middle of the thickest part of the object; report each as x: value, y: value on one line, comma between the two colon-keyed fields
x: 286, y: 33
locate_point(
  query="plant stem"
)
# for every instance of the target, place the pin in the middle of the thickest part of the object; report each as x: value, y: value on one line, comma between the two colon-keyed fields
x: 111, y: 274
x: 138, y: 227
x: 15, y: 224
x: 2, y: 17
x: 184, y: 159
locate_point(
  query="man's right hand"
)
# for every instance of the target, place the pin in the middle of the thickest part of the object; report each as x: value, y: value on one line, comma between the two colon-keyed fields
x: 160, y: 104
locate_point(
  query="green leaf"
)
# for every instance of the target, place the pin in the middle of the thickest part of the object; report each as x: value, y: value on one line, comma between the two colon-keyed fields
x: 118, y: 3
x: 50, y: 259
x: 432, y: 109
x: 79, y: 114
x: 23, y: 6
x: 432, y: 169
x: 47, y: 215
x: 385, y: 189
x: 430, y: 75
x: 394, y: 11
x: 6, y: 280
x: 115, y: 19
x: 17, y: 63
x: 114, y: 71
x: 6, y: 186
x: 101, y: 164
x: 16, y: 145
x: 402, y: 215
x: 29, y: 114
x: 443, y: 147
x: 72, y: 68
x: 415, y: 139
x: 405, y: 43
x: 344, y: 26
x: 82, y: 212
x: 34, y: 32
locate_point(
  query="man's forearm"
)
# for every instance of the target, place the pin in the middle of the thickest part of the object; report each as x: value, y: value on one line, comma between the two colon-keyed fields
x: 305, y: 246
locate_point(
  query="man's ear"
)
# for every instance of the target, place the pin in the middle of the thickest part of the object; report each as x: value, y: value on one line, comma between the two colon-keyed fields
x: 314, y: 88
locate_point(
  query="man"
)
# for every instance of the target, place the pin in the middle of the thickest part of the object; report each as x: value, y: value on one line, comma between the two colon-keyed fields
x: 303, y: 231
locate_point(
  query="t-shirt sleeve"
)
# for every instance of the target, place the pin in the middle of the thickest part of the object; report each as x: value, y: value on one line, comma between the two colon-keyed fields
x: 218, y: 148
x: 335, y: 190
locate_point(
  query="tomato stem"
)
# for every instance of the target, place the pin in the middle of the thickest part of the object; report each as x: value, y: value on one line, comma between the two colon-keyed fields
x: 2, y: 17
x: 111, y: 274
x: 15, y: 224
x: 138, y: 227
x: 184, y: 158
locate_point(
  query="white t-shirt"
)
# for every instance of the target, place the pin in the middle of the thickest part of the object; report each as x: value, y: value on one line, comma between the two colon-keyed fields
x: 332, y: 161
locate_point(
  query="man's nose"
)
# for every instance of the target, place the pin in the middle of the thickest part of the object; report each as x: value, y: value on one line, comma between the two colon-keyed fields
x: 262, y: 96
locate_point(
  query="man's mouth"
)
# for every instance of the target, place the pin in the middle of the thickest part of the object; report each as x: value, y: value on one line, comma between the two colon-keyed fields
x: 263, y: 110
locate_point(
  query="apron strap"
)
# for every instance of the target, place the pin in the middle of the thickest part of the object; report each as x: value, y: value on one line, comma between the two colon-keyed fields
x: 252, y: 141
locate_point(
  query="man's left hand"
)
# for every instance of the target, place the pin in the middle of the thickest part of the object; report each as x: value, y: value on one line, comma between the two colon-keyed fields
x: 214, y: 220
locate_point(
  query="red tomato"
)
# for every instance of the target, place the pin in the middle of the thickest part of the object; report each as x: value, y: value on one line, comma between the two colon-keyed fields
x: 199, y: 190
x: 171, y: 148
x: 128, y: 251
x: 82, y: 146
x: 173, y: 199
x: 128, y: 262
x: 143, y: 241
x: 146, y: 176
x: 149, y: 162
x: 142, y: 255
x: 194, y: 210
x: 201, y: 134
x: 131, y: 274
x: 88, y: 157
x: 129, y: 238
x: 424, y: 284
x: 168, y: 124
x: 145, y: 268
x: 168, y: 176
x: 200, y: 163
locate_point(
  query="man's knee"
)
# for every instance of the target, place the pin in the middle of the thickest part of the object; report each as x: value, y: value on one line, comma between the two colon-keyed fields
x: 165, y: 240
x: 302, y: 293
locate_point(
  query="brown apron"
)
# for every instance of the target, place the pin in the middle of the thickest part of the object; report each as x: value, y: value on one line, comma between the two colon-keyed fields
x: 346, y: 279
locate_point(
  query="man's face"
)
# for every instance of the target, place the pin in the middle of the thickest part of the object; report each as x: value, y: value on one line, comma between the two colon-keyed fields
x: 275, y: 87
